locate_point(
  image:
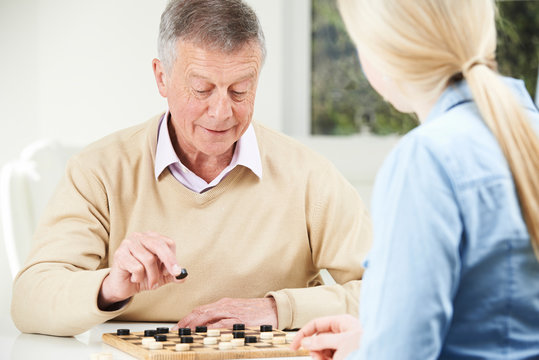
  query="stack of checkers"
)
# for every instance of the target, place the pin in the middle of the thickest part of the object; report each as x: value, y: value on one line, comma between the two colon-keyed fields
x: 205, y: 344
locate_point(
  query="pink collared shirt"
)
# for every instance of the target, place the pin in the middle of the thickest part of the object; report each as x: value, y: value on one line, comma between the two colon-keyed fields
x: 246, y: 154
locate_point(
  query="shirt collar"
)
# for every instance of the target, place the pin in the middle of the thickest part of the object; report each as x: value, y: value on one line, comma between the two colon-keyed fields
x: 460, y: 93
x: 246, y: 152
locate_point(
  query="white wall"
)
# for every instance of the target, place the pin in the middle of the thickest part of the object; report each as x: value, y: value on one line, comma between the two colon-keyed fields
x: 77, y: 70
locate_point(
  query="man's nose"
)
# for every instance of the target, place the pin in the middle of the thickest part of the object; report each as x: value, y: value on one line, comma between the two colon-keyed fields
x: 220, y: 107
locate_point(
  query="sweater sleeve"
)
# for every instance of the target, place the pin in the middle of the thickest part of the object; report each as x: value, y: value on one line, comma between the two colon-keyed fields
x: 340, y: 234
x: 56, y: 291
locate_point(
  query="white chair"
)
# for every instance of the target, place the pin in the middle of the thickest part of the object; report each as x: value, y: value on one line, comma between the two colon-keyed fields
x: 26, y: 185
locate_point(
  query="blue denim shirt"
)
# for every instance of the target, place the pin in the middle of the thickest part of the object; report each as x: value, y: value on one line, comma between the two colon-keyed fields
x: 452, y: 273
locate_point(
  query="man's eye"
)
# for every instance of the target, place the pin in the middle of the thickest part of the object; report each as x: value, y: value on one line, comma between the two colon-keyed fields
x: 202, y: 91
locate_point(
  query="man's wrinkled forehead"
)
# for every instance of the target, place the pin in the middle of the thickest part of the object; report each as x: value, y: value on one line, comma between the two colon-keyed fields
x: 203, y: 61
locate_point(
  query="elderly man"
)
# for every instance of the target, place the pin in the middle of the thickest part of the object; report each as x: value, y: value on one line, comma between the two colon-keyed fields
x: 251, y: 214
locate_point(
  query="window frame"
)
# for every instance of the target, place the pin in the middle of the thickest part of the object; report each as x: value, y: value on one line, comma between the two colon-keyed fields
x: 359, y: 156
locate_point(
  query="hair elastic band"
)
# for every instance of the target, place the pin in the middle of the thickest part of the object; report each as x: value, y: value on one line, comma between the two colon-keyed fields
x: 468, y: 65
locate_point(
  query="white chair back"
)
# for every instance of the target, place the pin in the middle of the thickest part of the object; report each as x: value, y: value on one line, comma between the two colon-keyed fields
x: 26, y: 185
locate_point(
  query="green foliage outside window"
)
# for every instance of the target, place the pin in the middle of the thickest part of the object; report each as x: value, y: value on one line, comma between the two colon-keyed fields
x: 343, y: 102
x: 518, y: 41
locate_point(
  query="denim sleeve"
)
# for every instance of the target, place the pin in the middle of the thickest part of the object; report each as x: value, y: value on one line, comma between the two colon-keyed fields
x: 413, y: 268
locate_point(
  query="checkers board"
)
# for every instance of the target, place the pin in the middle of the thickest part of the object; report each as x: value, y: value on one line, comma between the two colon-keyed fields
x: 253, y: 343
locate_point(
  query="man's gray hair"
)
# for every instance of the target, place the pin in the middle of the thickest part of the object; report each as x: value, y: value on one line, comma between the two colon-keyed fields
x: 223, y: 25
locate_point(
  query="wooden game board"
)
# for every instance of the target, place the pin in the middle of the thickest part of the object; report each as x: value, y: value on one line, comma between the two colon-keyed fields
x: 132, y: 344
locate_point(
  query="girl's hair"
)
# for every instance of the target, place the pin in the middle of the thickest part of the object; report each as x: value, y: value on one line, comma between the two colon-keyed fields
x: 427, y: 44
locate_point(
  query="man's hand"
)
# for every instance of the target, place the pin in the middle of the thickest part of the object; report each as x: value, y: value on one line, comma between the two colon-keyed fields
x: 143, y: 261
x: 332, y: 337
x: 227, y: 312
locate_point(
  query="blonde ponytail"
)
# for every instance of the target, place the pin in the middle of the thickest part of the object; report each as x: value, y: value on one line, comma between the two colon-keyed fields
x: 508, y: 122
x: 427, y: 44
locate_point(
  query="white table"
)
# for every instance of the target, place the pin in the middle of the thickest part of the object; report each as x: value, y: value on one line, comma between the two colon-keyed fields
x: 17, y: 346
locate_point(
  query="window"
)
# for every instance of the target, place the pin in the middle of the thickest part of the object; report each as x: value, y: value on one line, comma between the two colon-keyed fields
x: 342, y: 102
x: 350, y: 134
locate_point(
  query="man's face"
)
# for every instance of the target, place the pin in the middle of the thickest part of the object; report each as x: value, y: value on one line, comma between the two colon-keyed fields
x: 211, y: 96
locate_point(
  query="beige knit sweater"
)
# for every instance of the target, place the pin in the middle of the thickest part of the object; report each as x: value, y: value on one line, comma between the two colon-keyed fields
x: 246, y: 237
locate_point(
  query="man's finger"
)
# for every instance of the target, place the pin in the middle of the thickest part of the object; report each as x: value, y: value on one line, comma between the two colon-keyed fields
x: 125, y: 262
x: 167, y: 278
x: 149, y: 261
x: 193, y: 320
x: 224, y: 323
x: 165, y: 252
x: 203, y: 315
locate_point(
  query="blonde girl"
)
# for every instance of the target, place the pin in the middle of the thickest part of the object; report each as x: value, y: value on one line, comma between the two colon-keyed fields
x: 454, y: 270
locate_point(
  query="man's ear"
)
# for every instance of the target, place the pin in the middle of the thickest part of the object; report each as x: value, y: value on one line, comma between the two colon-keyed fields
x: 160, y: 77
